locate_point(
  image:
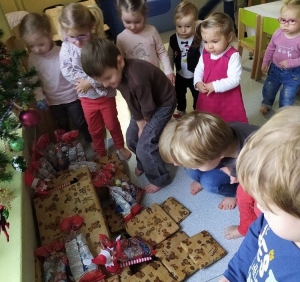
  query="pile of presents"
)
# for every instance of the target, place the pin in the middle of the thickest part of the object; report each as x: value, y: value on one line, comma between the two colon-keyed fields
x: 79, y: 227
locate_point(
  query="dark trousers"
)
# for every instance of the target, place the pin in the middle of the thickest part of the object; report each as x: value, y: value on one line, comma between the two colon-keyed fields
x: 206, y: 9
x: 181, y: 85
x: 146, y: 147
x: 64, y: 112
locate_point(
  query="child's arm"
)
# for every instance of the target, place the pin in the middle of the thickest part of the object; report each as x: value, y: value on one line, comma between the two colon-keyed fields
x: 71, y: 68
x: 268, y: 57
x: 240, y: 263
x: 198, y: 76
x: 163, y: 56
x: 234, y: 72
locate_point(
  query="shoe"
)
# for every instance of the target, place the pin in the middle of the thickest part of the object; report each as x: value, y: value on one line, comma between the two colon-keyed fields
x: 179, y: 114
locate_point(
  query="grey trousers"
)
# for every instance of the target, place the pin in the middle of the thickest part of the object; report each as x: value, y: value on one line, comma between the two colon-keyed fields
x: 146, y: 148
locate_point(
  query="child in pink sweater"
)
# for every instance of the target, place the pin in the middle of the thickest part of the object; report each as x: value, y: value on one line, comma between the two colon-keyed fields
x: 282, y: 59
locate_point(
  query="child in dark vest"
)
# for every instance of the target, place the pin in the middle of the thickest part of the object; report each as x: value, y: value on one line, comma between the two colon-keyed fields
x: 184, y: 51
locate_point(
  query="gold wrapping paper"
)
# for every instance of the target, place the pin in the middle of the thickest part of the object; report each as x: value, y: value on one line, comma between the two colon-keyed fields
x: 153, y: 224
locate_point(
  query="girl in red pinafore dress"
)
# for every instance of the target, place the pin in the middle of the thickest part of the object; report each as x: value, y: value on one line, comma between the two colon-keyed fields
x: 218, y: 73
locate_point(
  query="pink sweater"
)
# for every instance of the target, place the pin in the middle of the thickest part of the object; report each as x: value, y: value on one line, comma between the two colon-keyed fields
x: 281, y: 48
x: 146, y: 45
x: 55, y: 87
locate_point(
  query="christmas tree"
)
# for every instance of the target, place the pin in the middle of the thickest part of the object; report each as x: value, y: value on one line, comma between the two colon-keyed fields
x: 16, y: 93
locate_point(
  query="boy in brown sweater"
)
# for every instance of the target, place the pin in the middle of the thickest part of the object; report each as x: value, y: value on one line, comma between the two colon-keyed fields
x: 150, y: 97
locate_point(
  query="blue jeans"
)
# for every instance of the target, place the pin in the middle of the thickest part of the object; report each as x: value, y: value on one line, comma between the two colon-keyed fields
x: 146, y: 147
x: 290, y: 81
x: 214, y: 181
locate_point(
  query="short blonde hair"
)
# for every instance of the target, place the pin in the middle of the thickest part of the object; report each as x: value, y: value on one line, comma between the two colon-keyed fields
x: 76, y: 16
x: 34, y: 23
x: 220, y: 21
x: 291, y: 4
x: 185, y: 8
x: 200, y: 137
x: 165, y: 140
x: 268, y: 166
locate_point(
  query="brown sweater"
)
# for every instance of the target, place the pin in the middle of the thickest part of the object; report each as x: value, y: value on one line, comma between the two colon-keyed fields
x: 145, y: 88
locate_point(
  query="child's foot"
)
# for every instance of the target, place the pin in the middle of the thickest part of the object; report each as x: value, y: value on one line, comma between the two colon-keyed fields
x: 232, y: 232
x: 228, y: 203
x: 138, y: 172
x: 125, y: 153
x: 179, y: 114
x: 195, y: 187
x: 263, y: 110
x: 151, y: 188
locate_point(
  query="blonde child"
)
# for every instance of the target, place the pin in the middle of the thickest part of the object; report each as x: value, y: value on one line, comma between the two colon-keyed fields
x: 218, y: 73
x: 184, y: 50
x: 61, y: 98
x: 78, y: 22
x: 139, y: 40
x: 282, y: 59
x: 207, y: 147
x: 268, y: 168
x: 150, y: 97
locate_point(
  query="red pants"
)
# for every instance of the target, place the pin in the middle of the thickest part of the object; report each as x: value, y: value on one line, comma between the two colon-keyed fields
x: 247, y: 208
x: 100, y: 113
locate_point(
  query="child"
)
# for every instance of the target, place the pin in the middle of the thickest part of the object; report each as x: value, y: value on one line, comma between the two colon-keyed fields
x: 150, y: 97
x: 139, y: 40
x: 185, y: 52
x: 269, y: 169
x: 99, y: 104
x: 218, y: 73
x: 207, y: 147
x: 282, y: 55
x: 60, y: 95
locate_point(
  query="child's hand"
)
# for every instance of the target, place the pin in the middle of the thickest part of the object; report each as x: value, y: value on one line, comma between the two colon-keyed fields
x: 210, y: 88
x: 83, y: 85
x: 228, y: 172
x: 201, y: 87
x: 264, y: 69
x: 141, y: 124
x: 223, y: 279
x: 284, y: 64
x: 171, y: 77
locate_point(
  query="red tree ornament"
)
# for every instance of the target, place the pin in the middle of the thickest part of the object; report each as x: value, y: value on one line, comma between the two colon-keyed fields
x: 29, y: 118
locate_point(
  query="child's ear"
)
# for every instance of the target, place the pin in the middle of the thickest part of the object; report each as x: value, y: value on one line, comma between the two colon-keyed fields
x: 230, y: 37
x: 120, y: 61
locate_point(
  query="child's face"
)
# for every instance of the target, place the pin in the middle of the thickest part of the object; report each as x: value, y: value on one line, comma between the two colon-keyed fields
x: 112, y: 76
x: 133, y: 21
x: 185, y: 26
x: 215, y: 42
x: 39, y: 43
x: 289, y: 21
x: 78, y: 36
x: 283, y: 224
x: 209, y: 165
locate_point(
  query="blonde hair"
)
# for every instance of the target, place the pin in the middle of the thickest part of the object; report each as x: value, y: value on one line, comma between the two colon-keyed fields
x: 76, y: 16
x: 268, y: 166
x: 165, y: 140
x: 34, y: 23
x: 132, y: 6
x: 222, y: 23
x: 291, y: 4
x: 185, y: 8
x: 200, y: 137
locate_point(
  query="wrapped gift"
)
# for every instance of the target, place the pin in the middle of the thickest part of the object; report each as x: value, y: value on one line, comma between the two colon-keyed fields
x: 176, y: 210
x: 203, y: 249
x: 153, y: 224
x: 154, y: 271
x: 78, y: 198
x: 175, y: 258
